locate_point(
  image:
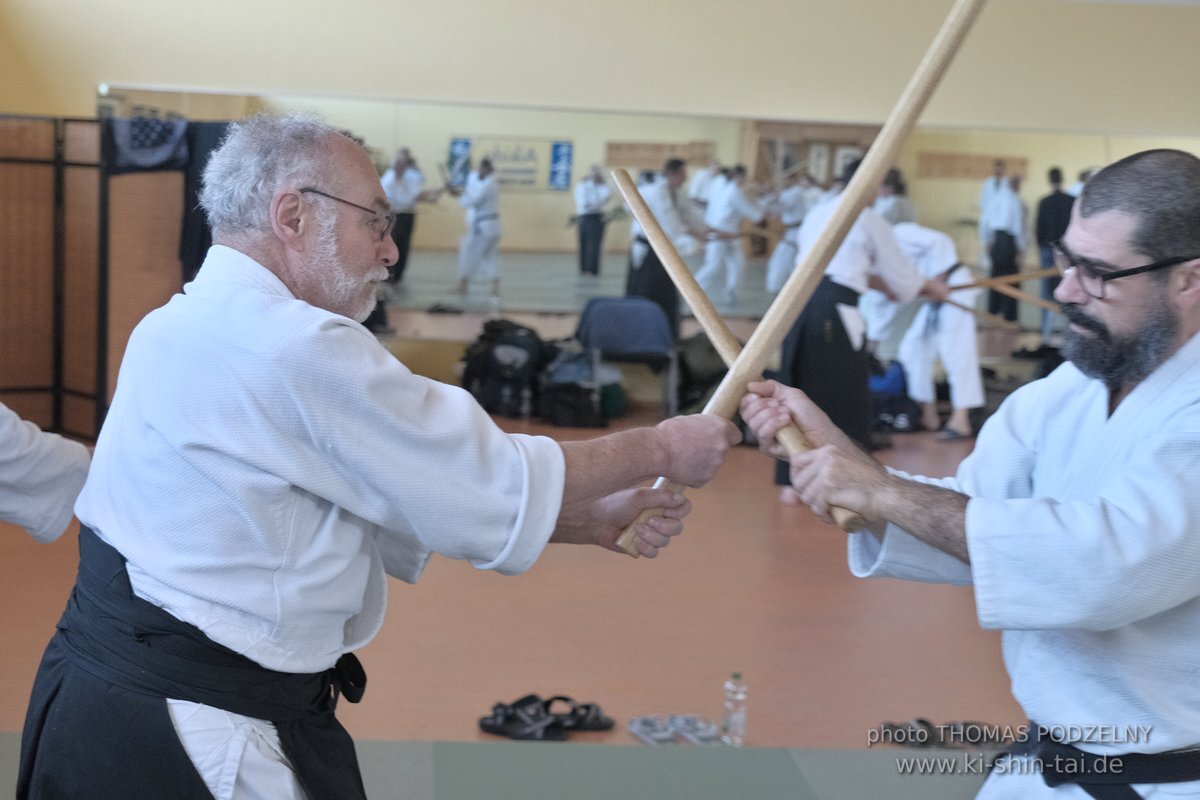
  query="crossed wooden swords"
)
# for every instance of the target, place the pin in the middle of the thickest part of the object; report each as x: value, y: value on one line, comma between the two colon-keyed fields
x: 746, y: 364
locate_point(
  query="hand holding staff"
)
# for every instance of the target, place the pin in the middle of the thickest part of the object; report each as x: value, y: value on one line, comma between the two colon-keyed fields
x: 718, y: 332
x: 804, y: 280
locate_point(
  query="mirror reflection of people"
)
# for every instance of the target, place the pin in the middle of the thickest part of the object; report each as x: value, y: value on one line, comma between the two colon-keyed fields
x: 1075, y: 516
x: 681, y: 223
x: 727, y: 206
x: 479, y: 248
x: 1002, y: 234
x: 825, y: 352
x: 1053, y: 217
x: 592, y: 194
x: 265, y: 466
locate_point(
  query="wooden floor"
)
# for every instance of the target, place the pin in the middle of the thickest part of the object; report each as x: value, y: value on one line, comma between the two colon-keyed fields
x: 752, y: 586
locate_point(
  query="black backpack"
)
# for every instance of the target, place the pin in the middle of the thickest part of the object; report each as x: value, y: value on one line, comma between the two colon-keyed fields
x: 502, y: 367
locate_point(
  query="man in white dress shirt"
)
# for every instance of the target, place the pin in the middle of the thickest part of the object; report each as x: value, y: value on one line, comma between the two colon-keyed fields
x: 242, y: 515
x: 1076, y: 516
x: 591, y: 195
x: 479, y: 249
x: 40, y: 476
x: 1002, y: 234
x: 727, y: 207
x: 404, y: 186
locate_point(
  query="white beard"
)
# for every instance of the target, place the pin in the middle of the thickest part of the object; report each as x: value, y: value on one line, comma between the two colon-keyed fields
x: 347, y: 292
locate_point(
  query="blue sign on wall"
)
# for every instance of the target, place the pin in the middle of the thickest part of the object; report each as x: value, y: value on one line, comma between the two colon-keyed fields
x: 561, y: 154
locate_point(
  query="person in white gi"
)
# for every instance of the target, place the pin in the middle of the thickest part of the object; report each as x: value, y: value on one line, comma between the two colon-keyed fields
x: 878, y: 308
x: 727, y: 207
x: 824, y: 353
x: 1076, y: 516
x: 591, y: 196
x: 702, y: 183
x: 941, y: 330
x: 647, y: 277
x: 40, y: 476
x: 479, y: 248
x: 243, y: 476
x: 891, y: 201
x: 798, y: 195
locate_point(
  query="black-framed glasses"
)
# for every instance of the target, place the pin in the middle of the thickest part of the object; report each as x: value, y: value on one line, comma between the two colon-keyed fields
x: 1092, y: 276
x: 382, y: 222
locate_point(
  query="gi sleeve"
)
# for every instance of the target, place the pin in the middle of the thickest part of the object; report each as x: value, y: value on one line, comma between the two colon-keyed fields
x: 418, y: 458
x: 1126, y: 553
x: 41, y: 474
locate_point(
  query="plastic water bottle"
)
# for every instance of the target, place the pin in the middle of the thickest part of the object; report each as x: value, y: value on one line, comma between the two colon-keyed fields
x: 733, y: 720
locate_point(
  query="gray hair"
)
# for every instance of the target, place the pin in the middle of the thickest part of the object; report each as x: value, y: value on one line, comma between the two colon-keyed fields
x: 1159, y: 187
x: 257, y: 157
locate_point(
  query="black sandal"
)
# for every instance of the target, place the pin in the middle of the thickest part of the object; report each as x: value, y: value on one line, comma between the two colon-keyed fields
x: 581, y: 717
x: 525, y: 719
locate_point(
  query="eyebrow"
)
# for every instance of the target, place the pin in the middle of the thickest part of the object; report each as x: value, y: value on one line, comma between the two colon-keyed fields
x: 1092, y: 263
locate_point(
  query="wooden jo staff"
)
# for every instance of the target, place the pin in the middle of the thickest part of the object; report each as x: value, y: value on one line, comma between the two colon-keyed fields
x: 1006, y: 280
x: 726, y: 344
x: 779, y: 318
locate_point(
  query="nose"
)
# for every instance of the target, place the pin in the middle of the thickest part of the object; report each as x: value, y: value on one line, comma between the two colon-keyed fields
x: 1070, y: 290
x: 389, y: 253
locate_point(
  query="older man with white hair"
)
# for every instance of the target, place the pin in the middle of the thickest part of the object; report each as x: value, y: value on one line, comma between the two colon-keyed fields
x: 238, y: 526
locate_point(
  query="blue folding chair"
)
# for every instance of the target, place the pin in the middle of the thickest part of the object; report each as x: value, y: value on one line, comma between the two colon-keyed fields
x: 631, y: 330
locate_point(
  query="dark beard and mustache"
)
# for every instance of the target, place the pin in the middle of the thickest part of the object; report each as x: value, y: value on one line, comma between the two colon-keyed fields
x: 1121, y: 361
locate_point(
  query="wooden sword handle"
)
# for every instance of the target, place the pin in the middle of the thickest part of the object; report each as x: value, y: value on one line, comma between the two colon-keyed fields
x: 718, y: 332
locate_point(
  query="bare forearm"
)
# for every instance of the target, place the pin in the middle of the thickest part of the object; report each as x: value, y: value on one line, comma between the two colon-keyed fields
x: 601, y: 466
x: 934, y: 515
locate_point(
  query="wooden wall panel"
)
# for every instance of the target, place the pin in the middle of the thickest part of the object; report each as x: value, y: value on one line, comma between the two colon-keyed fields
x: 145, y: 210
x: 82, y: 188
x: 26, y: 275
x: 81, y: 143
x: 27, y: 138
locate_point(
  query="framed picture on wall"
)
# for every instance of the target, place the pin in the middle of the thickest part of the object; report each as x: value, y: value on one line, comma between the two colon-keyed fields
x: 844, y: 156
x: 818, y: 162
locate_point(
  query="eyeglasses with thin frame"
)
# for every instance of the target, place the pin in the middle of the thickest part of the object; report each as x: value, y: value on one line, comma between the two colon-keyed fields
x: 382, y: 222
x: 1092, y: 277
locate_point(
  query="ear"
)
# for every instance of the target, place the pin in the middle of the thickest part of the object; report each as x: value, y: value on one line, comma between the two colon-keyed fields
x: 1188, y: 296
x: 289, y: 218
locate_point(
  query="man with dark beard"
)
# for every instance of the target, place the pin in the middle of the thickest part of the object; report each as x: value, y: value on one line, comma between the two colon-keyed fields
x: 1077, y: 517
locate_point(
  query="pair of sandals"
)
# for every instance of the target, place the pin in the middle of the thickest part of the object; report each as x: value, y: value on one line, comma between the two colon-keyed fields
x: 669, y: 729
x: 532, y: 718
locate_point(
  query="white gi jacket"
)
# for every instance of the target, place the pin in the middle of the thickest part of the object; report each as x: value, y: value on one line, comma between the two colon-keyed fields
x: 727, y: 206
x: 40, y: 476
x: 481, y: 199
x: 870, y: 248
x: 266, y: 462
x: 1084, y: 536
x: 674, y: 214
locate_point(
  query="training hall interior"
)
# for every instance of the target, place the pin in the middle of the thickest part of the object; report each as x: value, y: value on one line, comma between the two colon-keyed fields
x: 547, y: 90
